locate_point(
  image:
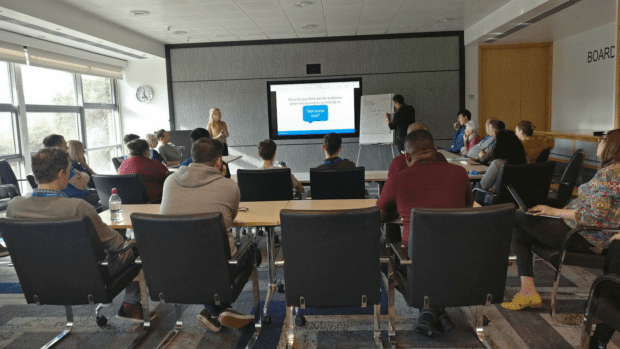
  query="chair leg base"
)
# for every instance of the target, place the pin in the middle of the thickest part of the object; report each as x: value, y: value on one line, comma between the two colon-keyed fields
x: 64, y: 333
x: 258, y: 321
x: 146, y: 314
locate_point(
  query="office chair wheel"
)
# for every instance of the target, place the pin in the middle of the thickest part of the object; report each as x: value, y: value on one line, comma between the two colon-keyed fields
x: 102, y: 321
x: 267, y: 319
x: 280, y: 288
x: 300, y: 321
x: 485, y: 320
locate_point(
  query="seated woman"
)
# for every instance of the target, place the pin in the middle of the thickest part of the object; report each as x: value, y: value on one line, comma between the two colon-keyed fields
x: 470, y: 137
x: 152, y: 172
x: 152, y: 140
x: 508, y: 150
x: 597, y: 205
x: 534, y: 145
x: 78, y: 161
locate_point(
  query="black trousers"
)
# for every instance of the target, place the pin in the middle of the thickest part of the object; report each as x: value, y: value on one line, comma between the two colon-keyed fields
x: 549, y: 232
x: 401, y: 144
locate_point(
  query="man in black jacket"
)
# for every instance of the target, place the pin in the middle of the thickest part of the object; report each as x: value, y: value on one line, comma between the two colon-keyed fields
x: 404, y: 116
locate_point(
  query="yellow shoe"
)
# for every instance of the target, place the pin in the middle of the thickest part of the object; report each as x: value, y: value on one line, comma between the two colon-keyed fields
x: 519, y: 302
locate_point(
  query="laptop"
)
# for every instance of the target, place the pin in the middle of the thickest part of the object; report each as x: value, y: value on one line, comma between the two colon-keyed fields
x: 524, y: 208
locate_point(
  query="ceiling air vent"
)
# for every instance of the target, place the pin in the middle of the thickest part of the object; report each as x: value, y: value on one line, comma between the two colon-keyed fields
x: 533, y: 20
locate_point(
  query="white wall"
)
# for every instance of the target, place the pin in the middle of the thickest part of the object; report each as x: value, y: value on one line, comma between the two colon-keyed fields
x: 582, y: 92
x: 471, y: 82
x: 142, y: 118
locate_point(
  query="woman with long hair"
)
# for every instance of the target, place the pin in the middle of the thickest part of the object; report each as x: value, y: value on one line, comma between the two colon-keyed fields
x: 598, y: 205
x: 78, y: 161
x: 533, y: 144
x: 218, y: 128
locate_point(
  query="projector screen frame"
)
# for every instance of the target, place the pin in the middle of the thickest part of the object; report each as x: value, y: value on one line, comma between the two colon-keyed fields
x: 273, y: 133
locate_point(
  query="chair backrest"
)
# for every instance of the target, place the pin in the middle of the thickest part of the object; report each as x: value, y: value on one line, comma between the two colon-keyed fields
x: 265, y: 185
x: 32, y: 181
x: 571, y: 175
x: 544, y: 156
x: 129, y: 187
x: 331, y: 258
x: 7, y: 176
x: 192, y: 269
x: 337, y: 184
x: 458, y: 256
x: 117, y: 161
x: 532, y: 182
x: 56, y: 260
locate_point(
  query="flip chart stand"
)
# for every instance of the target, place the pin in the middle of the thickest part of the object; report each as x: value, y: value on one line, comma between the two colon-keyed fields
x: 357, y: 163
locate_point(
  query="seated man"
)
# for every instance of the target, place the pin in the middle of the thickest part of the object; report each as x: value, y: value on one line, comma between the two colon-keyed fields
x: 267, y: 153
x: 399, y: 163
x: 332, y: 145
x: 78, y: 181
x: 486, y: 156
x: 425, y: 183
x: 201, y: 188
x: 484, y: 143
x: 167, y: 150
x: 51, y: 169
x: 195, y: 135
x: 457, y: 141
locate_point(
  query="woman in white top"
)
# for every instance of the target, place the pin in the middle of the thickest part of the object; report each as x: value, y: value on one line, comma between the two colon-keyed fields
x: 218, y: 128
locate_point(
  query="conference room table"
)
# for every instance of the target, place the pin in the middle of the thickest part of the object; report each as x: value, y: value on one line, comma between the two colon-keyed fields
x: 226, y: 158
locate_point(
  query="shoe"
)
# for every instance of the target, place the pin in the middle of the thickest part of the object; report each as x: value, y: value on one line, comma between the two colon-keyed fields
x: 210, y: 321
x: 519, y: 302
x: 3, y: 251
x: 426, y: 322
x: 131, y: 313
x: 595, y: 343
x: 444, y: 324
x: 235, y: 319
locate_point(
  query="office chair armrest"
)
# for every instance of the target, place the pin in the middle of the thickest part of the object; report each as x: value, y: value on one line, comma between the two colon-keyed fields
x: 484, y: 191
x: 279, y: 258
x: 404, y: 260
x: 127, y: 247
x: 240, y: 251
x: 559, y: 182
x: 578, y: 230
x: 611, y: 277
x: 155, y: 201
x: 10, y: 189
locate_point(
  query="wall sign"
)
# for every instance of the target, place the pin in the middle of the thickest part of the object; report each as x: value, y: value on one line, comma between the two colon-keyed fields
x: 607, y: 52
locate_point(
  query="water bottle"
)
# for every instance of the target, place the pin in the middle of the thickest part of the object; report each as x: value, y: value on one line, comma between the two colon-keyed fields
x: 116, y: 211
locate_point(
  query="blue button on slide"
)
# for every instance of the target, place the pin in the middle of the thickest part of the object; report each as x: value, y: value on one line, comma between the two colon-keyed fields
x: 314, y: 113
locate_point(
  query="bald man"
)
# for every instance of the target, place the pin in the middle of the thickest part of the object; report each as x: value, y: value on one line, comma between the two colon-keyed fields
x: 399, y: 163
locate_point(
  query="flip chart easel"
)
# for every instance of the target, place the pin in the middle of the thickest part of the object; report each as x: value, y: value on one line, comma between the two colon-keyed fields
x: 373, y: 127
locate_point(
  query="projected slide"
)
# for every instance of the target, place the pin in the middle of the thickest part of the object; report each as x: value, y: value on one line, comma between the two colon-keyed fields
x: 314, y: 108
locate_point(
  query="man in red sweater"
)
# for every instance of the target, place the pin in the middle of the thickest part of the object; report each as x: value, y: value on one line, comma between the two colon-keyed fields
x: 399, y: 163
x: 426, y: 182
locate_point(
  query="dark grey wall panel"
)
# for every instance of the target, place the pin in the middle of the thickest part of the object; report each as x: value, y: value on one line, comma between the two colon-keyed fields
x: 336, y: 58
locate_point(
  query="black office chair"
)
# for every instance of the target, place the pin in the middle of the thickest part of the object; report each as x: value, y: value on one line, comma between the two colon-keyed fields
x: 117, y: 161
x: 32, y: 181
x: 7, y: 193
x: 544, y: 156
x: 75, y: 273
x: 7, y: 176
x: 456, y: 258
x: 560, y: 197
x: 346, y: 272
x: 265, y: 185
x: 129, y: 187
x: 195, y: 268
x: 532, y: 181
x: 337, y: 184
x: 604, y: 299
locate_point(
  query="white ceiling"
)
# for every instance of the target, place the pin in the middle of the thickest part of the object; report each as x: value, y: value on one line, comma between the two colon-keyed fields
x: 228, y: 20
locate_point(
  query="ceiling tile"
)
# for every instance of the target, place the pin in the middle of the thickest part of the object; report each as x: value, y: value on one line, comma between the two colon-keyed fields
x: 164, y: 2
x: 211, y: 31
x: 225, y: 38
x: 205, y: 25
x: 266, y: 14
x: 282, y: 36
x: 270, y: 21
x: 342, y: 2
x: 249, y: 6
x: 349, y: 32
x: 194, y: 18
x: 311, y: 35
x: 178, y: 10
x: 235, y: 23
x: 342, y: 9
x: 220, y: 7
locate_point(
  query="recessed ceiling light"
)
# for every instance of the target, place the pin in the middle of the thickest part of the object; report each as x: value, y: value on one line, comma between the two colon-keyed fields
x: 310, y: 26
x: 139, y: 13
x: 303, y: 3
x: 179, y: 32
x: 445, y: 19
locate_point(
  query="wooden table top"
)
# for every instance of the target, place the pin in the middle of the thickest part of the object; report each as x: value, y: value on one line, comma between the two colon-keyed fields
x: 330, y: 204
x: 264, y: 214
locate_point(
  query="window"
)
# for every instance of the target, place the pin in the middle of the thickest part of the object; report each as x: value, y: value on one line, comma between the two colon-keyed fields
x: 97, y: 90
x: 41, y: 125
x: 8, y: 144
x: 5, y: 84
x: 48, y: 87
x: 101, y: 160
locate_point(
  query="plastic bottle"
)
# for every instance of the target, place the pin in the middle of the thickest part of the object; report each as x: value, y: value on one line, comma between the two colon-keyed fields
x: 116, y: 211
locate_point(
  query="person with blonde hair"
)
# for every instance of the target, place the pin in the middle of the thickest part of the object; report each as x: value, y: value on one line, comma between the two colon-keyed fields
x: 218, y: 128
x: 152, y: 141
x: 78, y: 161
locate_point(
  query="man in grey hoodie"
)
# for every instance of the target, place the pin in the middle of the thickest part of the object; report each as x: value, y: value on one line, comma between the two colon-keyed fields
x: 202, y: 188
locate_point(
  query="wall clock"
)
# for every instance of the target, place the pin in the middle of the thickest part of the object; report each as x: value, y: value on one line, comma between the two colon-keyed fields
x: 144, y: 94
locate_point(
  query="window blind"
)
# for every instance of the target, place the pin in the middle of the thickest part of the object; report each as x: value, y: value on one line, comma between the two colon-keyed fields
x: 52, y: 60
x: 12, y: 53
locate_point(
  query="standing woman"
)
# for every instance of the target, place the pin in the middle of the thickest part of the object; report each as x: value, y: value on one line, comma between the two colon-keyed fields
x: 218, y: 128
x: 598, y: 205
x: 78, y: 161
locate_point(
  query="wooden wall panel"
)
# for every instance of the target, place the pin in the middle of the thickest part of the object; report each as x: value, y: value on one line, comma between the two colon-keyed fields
x: 535, y: 91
